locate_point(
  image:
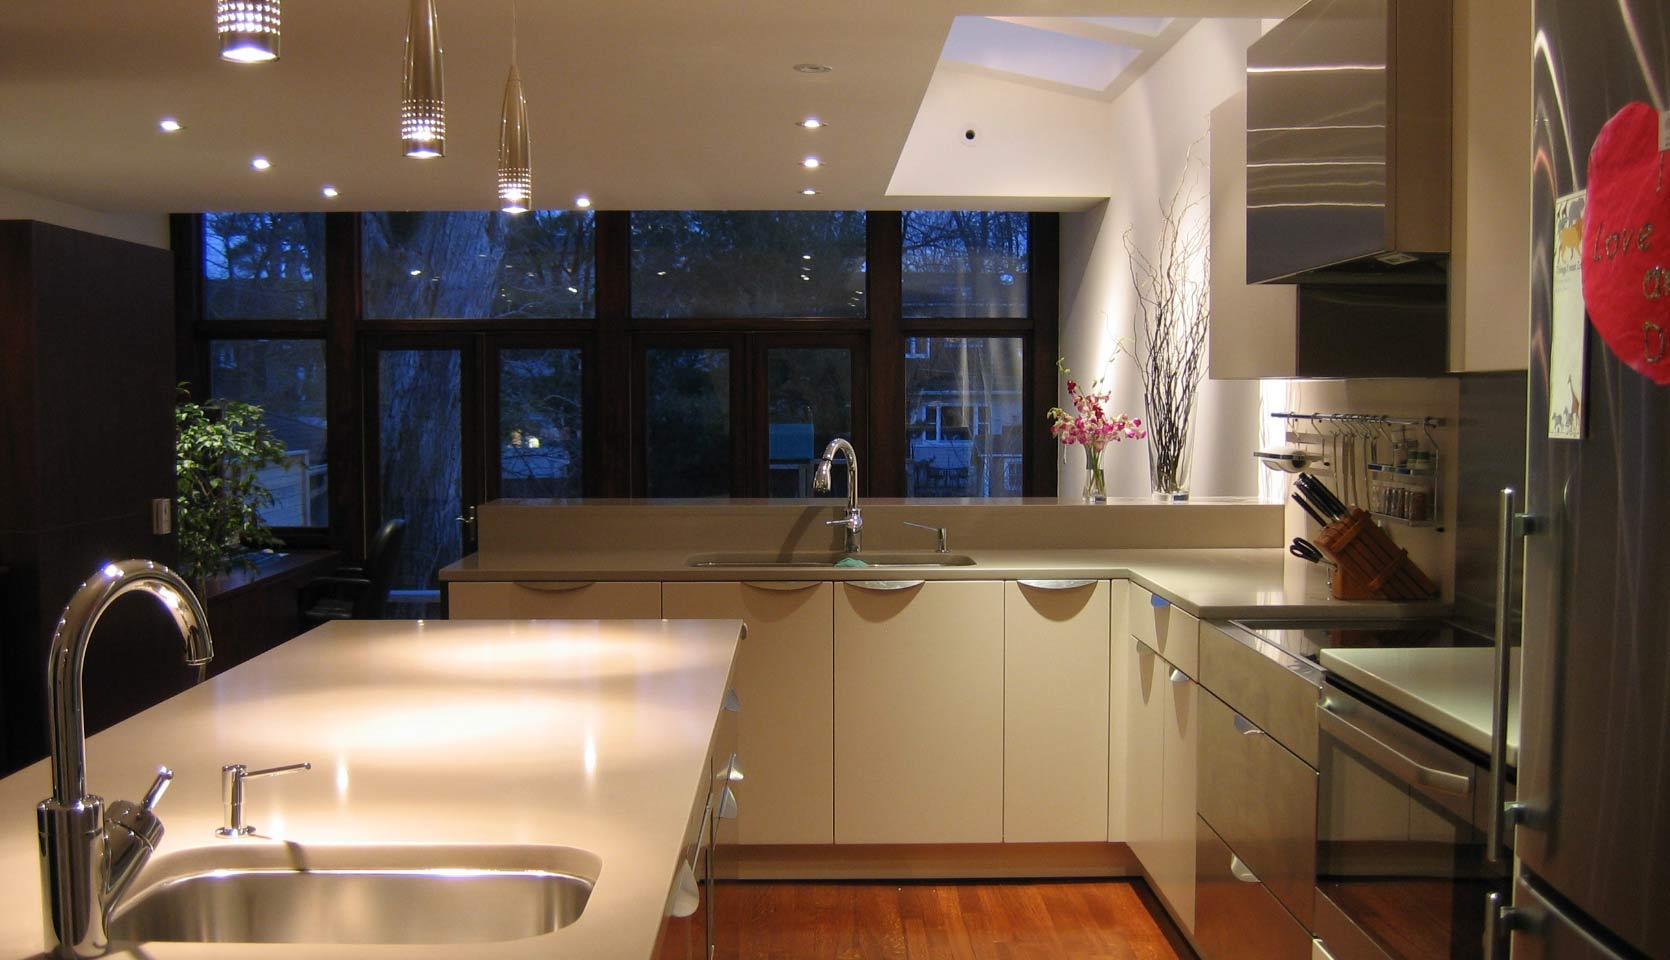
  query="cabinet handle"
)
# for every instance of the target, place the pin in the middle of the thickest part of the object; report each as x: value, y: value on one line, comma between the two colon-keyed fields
x: 1320, y: 949
x: 1055, y: 584
x: 1157, y: 602
x: 885, y: 584
x: 1394, y: 760
x: 688, y: 896
x: 727, y: 805
x: 1501, y: 818
x: 1178, y: 676
x: 784, y: 586
x: 1241, y: 871
x: 554, y: 586
x: 1533, y: 919
x: 1245, y: 727
x: 733, y: 703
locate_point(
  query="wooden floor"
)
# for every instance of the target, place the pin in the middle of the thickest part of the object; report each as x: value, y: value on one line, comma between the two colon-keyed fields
x: 1029, y: 920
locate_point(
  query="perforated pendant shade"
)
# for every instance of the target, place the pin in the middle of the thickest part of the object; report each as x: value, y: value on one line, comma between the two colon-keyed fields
x: 515, y: 159
x: 423, y: 94
x: 249, y: 30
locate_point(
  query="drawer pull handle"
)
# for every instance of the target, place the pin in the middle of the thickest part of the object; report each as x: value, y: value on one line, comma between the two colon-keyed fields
x: 1178, y: 676
x: 1245, y: 727
x: 555, y: 586
x: 688, y: 896
x: 1393, y: 760
x: 1240, y: 871
x: 885, y: 584
x: 727, y: 805
x: 733, y: 703
x: 1158, y: 602
x: 783, y: 586
x: 1055, y: 584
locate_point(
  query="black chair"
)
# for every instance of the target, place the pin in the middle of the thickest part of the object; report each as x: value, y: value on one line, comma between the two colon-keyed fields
x: 355, y: 593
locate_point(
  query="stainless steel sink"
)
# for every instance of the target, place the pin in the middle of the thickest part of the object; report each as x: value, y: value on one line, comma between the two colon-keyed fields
x: 828, y: 559
x: 395, y: 894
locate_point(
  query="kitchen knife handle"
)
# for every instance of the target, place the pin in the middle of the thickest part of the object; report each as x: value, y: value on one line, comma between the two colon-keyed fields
x: 1494, y: 848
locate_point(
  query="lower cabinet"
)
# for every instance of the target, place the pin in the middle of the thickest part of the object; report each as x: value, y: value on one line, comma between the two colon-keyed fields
x: 554, y: 600
x: 1055, y: 709
x: 1237, y: 918
x: 1161, y: 745
x: 919, y: 712
x: 785, y: 679
x: 1145, y: 678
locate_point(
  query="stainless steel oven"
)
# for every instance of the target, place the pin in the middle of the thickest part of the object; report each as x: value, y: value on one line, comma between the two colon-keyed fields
x: 1401, y: 865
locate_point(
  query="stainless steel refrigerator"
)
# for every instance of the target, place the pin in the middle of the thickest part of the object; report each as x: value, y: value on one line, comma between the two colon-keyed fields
x: 1593, y: 816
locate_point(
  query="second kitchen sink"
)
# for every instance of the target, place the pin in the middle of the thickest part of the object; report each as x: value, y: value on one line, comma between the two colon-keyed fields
x: 394, y: 894
x: 829, y: 559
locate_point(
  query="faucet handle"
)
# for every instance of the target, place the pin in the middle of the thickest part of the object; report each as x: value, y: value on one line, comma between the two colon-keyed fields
x: 939, y: 533
x: 271, y: 771
x: 159, y: 786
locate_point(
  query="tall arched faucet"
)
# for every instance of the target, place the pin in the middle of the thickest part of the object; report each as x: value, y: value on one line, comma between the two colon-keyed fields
x: 86, y: 863
x: 853, y: 521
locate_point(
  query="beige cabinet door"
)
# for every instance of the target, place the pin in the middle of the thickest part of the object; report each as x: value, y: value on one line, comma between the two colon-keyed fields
x: 1145, y: 696
x: 1119, y: 705
x: 1055, y: 709
x: 919, y: 713
x: 1175, y: 872
x: 554, y: 600
x: 785, y: 679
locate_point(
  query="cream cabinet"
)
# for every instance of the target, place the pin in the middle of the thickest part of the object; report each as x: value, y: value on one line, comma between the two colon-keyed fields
x: 1167, y: 630
x: 1174, y: 871
x: 1119, y: 709
x: 554, y: 600
x: 919, y: 712
x: 785, y: 679
x: 1055, y: 709
x: 1146, y: 679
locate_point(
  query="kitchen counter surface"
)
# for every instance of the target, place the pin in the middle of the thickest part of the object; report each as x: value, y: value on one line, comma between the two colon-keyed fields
x: 1210, y: 583
x: 583, y: 734
x: 1449, y: 688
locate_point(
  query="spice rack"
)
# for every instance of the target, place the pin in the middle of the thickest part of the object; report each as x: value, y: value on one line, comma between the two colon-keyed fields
x: 1392, y: 463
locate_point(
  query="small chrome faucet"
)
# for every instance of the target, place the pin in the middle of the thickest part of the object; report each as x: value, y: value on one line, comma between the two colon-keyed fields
x: 232, y: 777
x: 86, y: 863
x: 853, y: 521
x: 939, y: 534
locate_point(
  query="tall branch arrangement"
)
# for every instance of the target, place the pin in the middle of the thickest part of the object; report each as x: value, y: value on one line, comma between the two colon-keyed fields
x: 1174, y: 309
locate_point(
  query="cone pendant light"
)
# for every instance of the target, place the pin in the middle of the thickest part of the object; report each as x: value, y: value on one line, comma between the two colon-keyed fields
x: 248, y: 29
x: 423, y: 94
x: 515, y: 170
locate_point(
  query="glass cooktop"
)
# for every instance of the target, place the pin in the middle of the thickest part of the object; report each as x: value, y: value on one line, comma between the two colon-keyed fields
x: 1308, y: 638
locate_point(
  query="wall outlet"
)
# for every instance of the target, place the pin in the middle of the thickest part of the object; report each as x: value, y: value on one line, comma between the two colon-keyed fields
x: 162, y: 516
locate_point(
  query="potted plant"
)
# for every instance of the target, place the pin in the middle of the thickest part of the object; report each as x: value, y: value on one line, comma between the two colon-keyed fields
x: 220, y: 447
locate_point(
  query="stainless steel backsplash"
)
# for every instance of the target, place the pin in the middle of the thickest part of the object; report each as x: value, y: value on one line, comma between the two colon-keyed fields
x: 1491, y: 444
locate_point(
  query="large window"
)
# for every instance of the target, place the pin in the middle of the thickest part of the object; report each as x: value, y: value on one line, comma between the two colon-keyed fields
x: 963, y: 417
x: 477, y: 265
x: 808, y: 403
x: 540, y: 419
x: 286, y: 379
x: 687, y: 422
x: 263, y: 266
x: 730, y: 264
x: 420, y: 454
x: 965, y: 263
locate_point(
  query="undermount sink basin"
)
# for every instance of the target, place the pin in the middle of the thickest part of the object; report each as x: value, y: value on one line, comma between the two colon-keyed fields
x: 394, y: 894
x: 828, y: 559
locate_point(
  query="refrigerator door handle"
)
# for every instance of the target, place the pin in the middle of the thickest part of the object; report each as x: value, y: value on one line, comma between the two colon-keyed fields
x: 1511, y: 527
x: 1533, y: 919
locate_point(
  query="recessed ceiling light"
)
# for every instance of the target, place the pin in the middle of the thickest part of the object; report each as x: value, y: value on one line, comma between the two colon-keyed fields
x: 329, y: 192
x: 811, y: 163
x: 812, y: 123
x: 808, y: 192
x: 260, y: 163
x: 169, y: 125
x: 813, y: 68
x: 582, y: 201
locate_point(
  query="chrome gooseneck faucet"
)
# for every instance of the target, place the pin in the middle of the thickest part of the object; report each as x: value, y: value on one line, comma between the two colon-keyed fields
x: 854, y: 520
x: 87, y: 863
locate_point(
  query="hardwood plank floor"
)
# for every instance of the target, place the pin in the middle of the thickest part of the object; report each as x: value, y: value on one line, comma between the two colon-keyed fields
x: 1030, y: 920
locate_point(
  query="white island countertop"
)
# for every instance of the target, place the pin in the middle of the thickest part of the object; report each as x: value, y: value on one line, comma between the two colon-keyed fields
x: 583, y: 734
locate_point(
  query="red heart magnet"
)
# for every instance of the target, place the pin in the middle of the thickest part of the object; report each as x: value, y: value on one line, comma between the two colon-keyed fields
x: 1626, y: 270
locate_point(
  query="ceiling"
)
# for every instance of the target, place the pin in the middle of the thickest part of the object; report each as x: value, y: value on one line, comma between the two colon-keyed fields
x: 644, y: 104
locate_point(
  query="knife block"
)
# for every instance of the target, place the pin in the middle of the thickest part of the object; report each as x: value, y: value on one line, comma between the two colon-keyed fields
x: 1370, y: 566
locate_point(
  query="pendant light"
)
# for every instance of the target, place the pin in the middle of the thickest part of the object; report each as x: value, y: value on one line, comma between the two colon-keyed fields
x: 515, y: 155
x: 249, y: 30
x: 423, y: 94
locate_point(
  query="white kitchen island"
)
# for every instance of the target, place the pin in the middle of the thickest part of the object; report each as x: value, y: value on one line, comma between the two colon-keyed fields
x: 593, y: 735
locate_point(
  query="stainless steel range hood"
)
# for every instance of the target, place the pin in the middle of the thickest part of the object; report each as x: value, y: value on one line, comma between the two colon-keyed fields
x: 1348, y: 144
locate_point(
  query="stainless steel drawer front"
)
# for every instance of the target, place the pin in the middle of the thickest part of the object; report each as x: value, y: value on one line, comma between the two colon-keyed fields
x: 1262, y: 800
x: 1236, y: 918
x: 1271, y: 688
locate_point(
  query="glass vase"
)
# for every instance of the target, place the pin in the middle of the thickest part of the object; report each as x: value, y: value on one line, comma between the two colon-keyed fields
x: 1170, y: 456
x: 1095, y: 479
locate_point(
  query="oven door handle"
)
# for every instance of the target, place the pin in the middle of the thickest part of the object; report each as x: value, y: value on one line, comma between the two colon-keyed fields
x: 1390, y: 757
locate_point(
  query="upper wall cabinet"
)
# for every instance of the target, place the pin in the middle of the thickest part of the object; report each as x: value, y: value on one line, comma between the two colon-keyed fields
x: 1490, y: 265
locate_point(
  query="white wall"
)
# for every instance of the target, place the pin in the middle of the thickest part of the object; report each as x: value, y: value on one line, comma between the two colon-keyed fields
x: 1152, y: 127
x: 150, y: 229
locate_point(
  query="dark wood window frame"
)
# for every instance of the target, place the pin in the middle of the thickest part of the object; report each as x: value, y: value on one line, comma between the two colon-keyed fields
x: 613, y: 342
